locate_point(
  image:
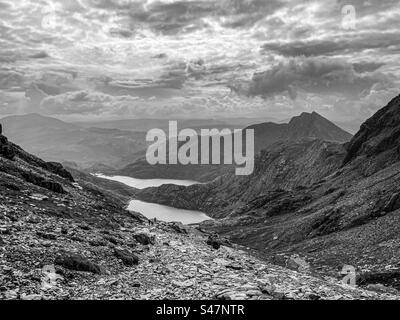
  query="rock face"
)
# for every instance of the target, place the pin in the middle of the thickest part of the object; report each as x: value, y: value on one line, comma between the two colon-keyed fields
x: 379, y: 134
x: 5, y: 148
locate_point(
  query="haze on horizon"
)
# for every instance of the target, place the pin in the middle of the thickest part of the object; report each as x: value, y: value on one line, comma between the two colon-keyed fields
x: 118, y: 59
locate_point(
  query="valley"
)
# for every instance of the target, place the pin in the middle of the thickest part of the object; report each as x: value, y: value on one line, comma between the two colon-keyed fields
x: 64, y: 238
x: 308, y: 198
x: 332, y: 204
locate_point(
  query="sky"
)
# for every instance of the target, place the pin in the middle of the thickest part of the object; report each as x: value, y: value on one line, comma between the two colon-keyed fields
x: 119, y: 59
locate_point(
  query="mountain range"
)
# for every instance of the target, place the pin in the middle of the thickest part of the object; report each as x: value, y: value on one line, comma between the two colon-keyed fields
x: 307, y: 126
x: 119, y: 147
x: 80, y: 147
x: 329, y: 202
x: 144, y: 125
x: 64, y: 236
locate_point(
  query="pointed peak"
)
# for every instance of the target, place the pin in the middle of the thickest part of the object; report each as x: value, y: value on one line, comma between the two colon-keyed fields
x: 307, y: 117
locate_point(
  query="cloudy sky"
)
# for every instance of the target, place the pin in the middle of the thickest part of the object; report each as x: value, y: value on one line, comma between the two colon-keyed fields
x: 103, y: 59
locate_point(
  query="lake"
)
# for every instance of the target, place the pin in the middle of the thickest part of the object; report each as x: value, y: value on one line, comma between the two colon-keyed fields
x: 167, y: 214
x: 146, y: 183
x: 161, y: 212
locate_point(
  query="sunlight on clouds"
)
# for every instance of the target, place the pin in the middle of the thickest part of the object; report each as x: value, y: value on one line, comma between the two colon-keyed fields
x: 194, y: 58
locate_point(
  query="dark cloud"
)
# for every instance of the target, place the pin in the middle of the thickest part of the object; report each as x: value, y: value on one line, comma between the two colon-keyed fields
x: 341, y: 45
x: 318, y: 75
x: 79, y: 102
x: 246, y: 13
x: 122, y: 33
x: 39, y: 55
x: 367, y: 66
x: 4, y: 6
x: 171, y: 18
x: 184, y: 16
x: 160, y: 56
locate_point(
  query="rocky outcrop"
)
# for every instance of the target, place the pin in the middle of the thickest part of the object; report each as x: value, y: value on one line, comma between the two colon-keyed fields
x: 48, y: 175
x: 58, y: 169
x: 380, y: 133
x: 42, y: 182
x: 6, y: 150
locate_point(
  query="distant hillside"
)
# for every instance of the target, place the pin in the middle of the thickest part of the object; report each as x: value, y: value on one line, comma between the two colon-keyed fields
x: 55, y: 140
x: 307, y: 126
x: 144, y: 125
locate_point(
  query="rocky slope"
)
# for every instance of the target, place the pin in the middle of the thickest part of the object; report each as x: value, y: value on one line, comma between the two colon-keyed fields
x: 332, y: 204
x: 307, y: 126
x: 283, y: 166
x: 66, y: 238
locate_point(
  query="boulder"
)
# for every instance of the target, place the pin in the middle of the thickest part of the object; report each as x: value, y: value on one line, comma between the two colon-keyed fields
x: 295, y: 262
x: 215, y: 242
x: 77, y: 262
x: 127, y: 258
x: 145, y: 239
x: 52, y: 186
x: 179, y: 227
x: 46, y: 236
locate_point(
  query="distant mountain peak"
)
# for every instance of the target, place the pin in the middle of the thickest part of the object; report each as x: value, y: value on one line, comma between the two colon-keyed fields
x: 313, y: 125
x: 308, y: 116
x: 304, y: 126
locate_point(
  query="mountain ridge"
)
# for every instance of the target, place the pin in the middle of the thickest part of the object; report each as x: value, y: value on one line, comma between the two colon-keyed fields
x: 307, y: 126
x: 59, y: 141
x: 348, y: 214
